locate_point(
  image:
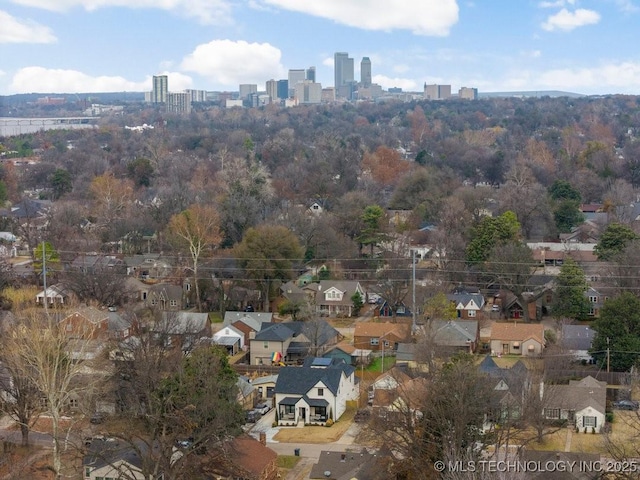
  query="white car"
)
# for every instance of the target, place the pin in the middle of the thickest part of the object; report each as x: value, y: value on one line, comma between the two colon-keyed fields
x: 373, y: 298
x: 263, y: 408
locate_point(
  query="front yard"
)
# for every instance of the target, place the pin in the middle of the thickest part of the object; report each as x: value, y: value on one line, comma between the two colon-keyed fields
x: 317, y: 434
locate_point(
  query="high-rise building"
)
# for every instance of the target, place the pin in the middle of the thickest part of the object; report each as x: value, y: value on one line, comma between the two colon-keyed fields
x: 160, y: 89
x: 271, y: 87
x: 437, y: 92
x: 311, y: 74
x: 197, y: 95
x: 343, y: 69
x: 308, y: 92
x: 365, y: 72
x: 296, y: 75
x: 247, y: 89
x: 283, y: 89
x: 178, y: 102
x: 467, y: 93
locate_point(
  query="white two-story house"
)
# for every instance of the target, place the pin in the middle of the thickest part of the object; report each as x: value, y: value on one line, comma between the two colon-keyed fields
x: 316, y: 392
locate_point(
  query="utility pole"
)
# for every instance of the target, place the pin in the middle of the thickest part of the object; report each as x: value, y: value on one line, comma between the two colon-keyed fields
x: 44, y: 278
x: 413, y: 290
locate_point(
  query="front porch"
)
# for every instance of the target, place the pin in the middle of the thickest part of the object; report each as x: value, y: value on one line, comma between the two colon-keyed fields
x: 292, y: 410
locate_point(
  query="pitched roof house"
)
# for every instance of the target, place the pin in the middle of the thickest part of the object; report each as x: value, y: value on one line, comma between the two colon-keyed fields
x: 249, y: 323
x: 333, y: 297
x: 577, y: 339
x: 93, y: 323
x: 517, y: 338
x: 454, y: 335
x: 379, y: 336
x: 468, y: 302
x: 315, y: 392
x: 582, y: 403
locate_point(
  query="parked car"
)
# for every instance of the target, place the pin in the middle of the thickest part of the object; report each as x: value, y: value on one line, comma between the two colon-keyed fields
x: 626, y: 405
x: 263, y: 408
x: 253, y: 416
x: 373, y: 298
x: 495, y: 308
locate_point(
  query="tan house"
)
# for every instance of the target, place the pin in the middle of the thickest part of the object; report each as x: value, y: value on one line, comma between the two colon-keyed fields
x: 380, y: 337
x: 517, y: 339
x: 91, y: 323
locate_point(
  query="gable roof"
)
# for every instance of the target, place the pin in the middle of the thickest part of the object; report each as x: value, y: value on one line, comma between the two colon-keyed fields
x: 92, y: 314
x: 183, y: 323
x: 347, y: 287
x: 454, y: 333
x: 376, y: 329
x: 577, y: 337
x: 274, y: 332
x: 343, y: 465
x: 517, y: 332
x: 578, y: 395
x: 299, y: 380
x: 253, y: 320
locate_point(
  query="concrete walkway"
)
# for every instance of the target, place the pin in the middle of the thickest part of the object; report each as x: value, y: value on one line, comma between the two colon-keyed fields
x: 567, y: 443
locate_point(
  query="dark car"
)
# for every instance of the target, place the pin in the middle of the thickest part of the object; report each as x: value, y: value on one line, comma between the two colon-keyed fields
x: 253, y: 416
x: 626, y: 405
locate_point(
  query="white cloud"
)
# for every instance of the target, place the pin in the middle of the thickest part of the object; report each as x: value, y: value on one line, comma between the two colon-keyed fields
x: 328, y: 62
x: 401, y: 68
x: 213, y: 12
x: 230, y: 63
x: 556, y: 3
x: 406, y: 84
x: 14, y: 30
x: 427, y: 17
x: 46, y: 80
x: 627, y: 6
x: 566, y: 20
x: 620, y: 77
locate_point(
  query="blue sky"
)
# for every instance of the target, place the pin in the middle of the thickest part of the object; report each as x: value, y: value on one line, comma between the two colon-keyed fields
x: 75, y: 46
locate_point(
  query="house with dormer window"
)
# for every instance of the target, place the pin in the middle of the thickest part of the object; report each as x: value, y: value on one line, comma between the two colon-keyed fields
x: 333, y: 297
x: 469, y: 302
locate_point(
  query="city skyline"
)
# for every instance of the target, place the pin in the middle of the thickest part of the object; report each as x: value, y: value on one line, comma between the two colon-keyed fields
x: 69, y: 46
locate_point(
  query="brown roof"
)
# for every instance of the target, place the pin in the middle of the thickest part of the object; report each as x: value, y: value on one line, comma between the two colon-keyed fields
x: 92, y: 314
x: 251, y: 455
x: 517, y: 332
x: 374, y: 329
x: 346, y: 347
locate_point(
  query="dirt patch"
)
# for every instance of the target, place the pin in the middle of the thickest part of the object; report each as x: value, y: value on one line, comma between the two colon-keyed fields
x: 317, y: 434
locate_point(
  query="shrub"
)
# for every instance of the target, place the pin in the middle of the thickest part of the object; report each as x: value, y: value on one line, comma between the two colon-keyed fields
x: 274, y: 424
x: 577, y: 429
x: 329, y: 423
x: 593, y: 429
x: 609, y: 417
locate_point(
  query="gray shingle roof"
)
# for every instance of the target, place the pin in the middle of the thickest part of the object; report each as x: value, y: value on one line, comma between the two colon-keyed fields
x: 299, y: 380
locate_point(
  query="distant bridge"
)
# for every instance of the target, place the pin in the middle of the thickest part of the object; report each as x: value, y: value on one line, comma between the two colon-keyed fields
x: 17, y: 126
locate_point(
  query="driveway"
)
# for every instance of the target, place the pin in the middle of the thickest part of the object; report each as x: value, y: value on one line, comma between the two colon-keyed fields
x: 309, y: 452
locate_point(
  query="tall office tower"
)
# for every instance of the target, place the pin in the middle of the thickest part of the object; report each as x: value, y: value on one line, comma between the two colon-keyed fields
x: 365, y: 72
x: 247, y: 89
x: 295, y: 76
x: 271, y: 87
x: 343, y: 74
x: 311, y: 74
x: 179, y: 102
x: 160, y: 89
x: 283, y: 89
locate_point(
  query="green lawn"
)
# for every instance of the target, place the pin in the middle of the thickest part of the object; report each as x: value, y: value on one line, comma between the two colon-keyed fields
x: 376, y: 364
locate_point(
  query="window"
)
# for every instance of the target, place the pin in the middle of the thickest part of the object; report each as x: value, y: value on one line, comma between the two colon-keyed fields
x: 552, y: 412
x: 144, y: 295
x: 592, y: 312
x: 321, y: 392
x: 290, y: 409
x: 374, y: 341
x: 173, y: 303
x: 265, y: 345
x: 589, y: 421
x: 153, y: 301
x: 73, y: 403
x: 471, y: 313
x: 593, y: 299
x: 87, y: 471
x: 401, y: 310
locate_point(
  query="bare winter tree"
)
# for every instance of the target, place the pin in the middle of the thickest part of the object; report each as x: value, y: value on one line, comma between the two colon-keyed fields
x: 48, y: 360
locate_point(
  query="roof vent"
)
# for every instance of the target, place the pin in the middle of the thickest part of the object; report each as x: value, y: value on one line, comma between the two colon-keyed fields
x: 327, y: 473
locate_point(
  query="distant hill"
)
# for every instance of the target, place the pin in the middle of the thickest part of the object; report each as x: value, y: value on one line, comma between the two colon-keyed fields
x: 531, y: 93
x: 97, y: 97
